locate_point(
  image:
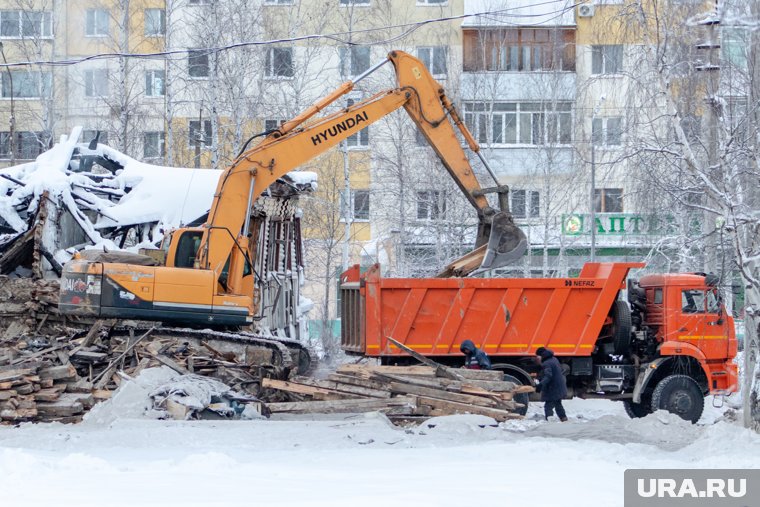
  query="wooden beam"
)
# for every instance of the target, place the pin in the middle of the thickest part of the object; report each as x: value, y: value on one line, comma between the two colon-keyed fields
x: 463, y: 408
x: 440, y: 370
x: 337, y: 406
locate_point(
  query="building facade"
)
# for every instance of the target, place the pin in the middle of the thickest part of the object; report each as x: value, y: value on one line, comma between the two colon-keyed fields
x: 551, y: 90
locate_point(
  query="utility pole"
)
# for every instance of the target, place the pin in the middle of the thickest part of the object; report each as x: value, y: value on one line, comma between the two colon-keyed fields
x: 348, y: 211
x: 593, y: 177
x: 11, y: 133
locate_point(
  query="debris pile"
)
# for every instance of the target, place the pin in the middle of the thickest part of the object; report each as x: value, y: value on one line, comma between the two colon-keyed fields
x: 59, y: 379
x: 404, y: 393
x: 35, y: 390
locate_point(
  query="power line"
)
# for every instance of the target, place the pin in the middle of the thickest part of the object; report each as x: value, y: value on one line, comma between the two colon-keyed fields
x: 336, y: 36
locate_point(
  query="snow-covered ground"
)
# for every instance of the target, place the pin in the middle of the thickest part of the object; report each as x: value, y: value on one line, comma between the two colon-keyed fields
x: 356, y: 460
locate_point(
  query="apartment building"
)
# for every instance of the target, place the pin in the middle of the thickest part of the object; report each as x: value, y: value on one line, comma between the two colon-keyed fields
x: 545, y: 87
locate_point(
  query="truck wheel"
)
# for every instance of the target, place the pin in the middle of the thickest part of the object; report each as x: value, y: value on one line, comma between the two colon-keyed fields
x: 523, y: 398
x: 621, y: 328
x: 680, y: 395
x: 637, y: 410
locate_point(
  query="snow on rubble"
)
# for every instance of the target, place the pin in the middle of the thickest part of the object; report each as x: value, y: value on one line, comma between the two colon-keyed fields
x: 108, y: 194
x: 121, y: 455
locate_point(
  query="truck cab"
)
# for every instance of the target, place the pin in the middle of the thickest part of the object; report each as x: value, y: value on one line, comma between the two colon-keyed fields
x: 685, y: 315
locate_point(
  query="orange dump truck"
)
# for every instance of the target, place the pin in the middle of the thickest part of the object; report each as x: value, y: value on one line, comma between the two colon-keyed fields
x: 671, y: 344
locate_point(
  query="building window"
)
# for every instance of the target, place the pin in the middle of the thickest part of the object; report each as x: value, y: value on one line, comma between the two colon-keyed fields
x: 607, y: 131
x: 96, y: 83
x: 27, y: 84
x: 608, y: 200
x: 154, y: 83
x: 431, y: 204
x: 154, y: 145
x: 155, y: 22
x: 195, y: 132
x: 519, y: 49
x: 434, y: 58
x: 607, y: 59
x: 354, y: 2
x: 26, y: 146
x: 354, y: 60
x: 361, y: 204
x: 197, y: 63
x: 532, y: 123
x: 272, y: 124
x: 432, y: 2
x: 361, y: 138
x: 279, y: 62
x: 17, y: 24
x: 525, y: 203
x: 96, y: 22
x: 89, y: 135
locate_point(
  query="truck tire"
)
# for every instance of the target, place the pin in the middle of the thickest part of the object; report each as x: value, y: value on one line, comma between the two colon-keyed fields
x: 680, y: 395
x: 621, y: 328
x: 637, y: 410
x: 522, y: 380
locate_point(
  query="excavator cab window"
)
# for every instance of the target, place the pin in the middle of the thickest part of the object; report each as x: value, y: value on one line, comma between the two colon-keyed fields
x: 187, y: 249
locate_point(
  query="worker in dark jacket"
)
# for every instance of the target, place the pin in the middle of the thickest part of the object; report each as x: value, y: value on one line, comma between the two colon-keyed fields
x: 551, y: 384
x: 474, y: 358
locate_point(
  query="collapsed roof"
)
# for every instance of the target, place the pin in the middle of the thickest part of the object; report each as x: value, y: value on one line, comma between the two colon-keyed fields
x: 103, y: 198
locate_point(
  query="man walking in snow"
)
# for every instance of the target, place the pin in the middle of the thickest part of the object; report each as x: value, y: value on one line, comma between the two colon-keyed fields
x: 474, y: 358
x: 551, y: 384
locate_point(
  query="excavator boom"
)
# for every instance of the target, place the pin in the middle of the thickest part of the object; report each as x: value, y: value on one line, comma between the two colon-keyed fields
x: 208, y: 275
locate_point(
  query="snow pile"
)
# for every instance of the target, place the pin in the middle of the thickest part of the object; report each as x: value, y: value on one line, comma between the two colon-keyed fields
x: 188, y: 396
x: 661, y: 429
x: 160, y: 393
x: 132, y: 399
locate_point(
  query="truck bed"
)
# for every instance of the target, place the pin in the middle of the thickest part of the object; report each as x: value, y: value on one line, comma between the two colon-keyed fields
x: 503, y: 316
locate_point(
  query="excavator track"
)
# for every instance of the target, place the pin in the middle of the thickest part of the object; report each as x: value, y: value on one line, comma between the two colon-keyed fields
x: 286, y: 353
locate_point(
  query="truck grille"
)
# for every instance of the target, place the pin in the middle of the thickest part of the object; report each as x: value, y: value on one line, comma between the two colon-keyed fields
x: 351, y: 318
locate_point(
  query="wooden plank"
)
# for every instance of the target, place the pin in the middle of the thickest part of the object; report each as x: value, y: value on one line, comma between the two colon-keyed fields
x: 366, y: 369
x: 171, y: 363
x: 481, y: 374
x: 344, y: 388
x: 440, y: 370
x: 89, y: 356
x: 16, y: 374
x: 39, y: 353
x: 16, y: 415
x: 398, y: 387
x: 51, y: 394
x: 357, y: 381
x: 66, y: 405
x: 338, y: 406
x: 105, y: 376
x: 451, y: 407
x: 66, y: 371
x: 292, y: 387
x: 8, y: 394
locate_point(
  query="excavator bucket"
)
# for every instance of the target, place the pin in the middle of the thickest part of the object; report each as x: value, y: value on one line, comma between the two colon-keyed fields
x: 506, y: 244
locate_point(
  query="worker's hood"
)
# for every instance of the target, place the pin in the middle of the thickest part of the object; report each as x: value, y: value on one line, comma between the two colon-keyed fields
x: 544, y: 353
x: 467, y: 347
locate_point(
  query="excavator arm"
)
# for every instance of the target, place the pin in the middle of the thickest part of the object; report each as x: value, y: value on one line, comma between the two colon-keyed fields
x: 299, y: 140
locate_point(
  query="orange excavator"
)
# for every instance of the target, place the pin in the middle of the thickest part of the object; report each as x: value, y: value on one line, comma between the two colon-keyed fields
x: 206, y: 275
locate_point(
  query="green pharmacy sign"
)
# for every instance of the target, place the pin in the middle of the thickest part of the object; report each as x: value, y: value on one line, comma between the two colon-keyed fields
x: 628, y: 224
